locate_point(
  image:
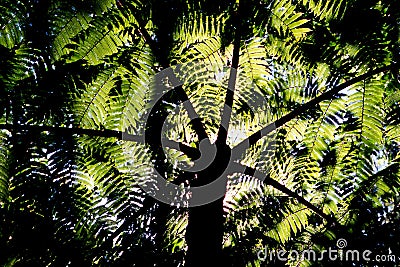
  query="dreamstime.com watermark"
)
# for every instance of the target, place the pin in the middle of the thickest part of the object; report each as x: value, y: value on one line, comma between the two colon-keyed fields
x: 340, y: 253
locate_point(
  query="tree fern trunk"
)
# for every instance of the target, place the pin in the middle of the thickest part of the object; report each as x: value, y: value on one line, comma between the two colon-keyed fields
x: 204, y: 235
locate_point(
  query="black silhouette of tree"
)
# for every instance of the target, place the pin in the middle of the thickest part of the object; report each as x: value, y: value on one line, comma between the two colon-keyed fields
x: 73, y: 74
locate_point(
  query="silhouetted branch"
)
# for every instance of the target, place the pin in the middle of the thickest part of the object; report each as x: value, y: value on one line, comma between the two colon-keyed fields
x: 251, y: 140
x: 191, y: 152
x: 230, y: 92
x: 196, y: 122
x: 269, y: 181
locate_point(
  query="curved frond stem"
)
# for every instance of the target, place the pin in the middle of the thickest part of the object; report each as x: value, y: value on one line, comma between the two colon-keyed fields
x: 110, y: 77
x: 369, y: 183
x: 373, y: 179
x: 331, y: 177
x: 145, y: 34
x: 361, y: 130
x: 252, y: 139
x: 275, y: 184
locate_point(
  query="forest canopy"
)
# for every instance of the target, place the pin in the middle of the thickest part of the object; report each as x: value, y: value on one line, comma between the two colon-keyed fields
x: 300, y: 97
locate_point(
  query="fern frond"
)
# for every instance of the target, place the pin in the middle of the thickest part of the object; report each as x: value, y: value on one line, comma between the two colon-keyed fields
x: 287, y: 21
x: 4, y: 169
x: 11, y: 23
x: 327, y: 10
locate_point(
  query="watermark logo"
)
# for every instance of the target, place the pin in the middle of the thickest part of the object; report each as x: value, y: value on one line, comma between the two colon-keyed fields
x: 339, y: 253
x: 341, y: 243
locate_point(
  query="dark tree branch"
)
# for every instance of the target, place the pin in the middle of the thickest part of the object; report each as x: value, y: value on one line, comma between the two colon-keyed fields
x: 205, y: 222
x: 196, y: 122
x: 64, y: 130
x: 374, y: 178
x: 370, y: 181
x: 191, y: 152
x: 230, y: 92
x: 251, y: 140
x: 269, y: 181
x: 195, y: 119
